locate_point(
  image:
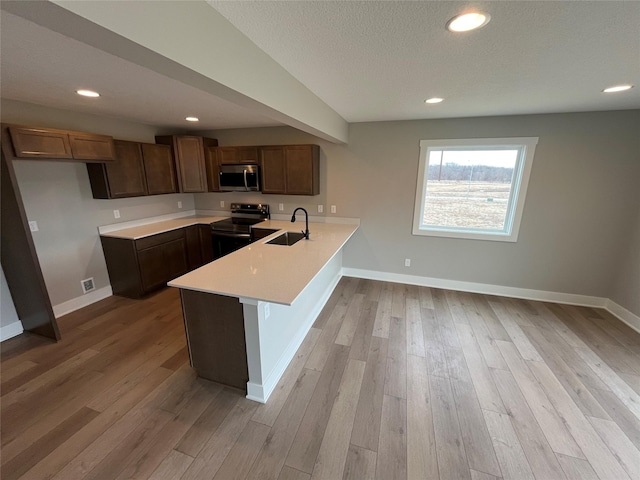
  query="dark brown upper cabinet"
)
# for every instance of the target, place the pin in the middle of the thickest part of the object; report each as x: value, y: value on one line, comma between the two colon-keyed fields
x: 290, y: 169
x: 216, y: 156
x: 188, y: 153
x: 51, y: 144
x: 160, y: 170
x: 238, y: 155
x: 124, y: 177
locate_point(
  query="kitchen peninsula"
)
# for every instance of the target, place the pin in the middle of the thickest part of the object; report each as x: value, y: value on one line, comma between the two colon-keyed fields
x: 247, y: 313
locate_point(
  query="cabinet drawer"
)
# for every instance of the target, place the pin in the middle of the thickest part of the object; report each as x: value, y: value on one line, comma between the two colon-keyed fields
x: 159, y: 239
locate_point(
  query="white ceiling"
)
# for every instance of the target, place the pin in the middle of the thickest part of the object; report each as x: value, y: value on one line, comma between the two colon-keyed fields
x: 375, y: 61
x: 369, y: 61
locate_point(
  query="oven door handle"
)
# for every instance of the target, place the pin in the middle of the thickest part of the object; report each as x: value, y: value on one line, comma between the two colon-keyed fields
x: 246, y: 187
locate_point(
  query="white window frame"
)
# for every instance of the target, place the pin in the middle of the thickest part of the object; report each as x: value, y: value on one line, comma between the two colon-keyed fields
x: 519, y: 184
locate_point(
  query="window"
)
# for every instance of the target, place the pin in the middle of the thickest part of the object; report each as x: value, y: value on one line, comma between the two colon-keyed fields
x: 472, y: 188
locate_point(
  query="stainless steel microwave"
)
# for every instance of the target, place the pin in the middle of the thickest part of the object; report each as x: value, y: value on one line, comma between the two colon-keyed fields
x: 239, y: 178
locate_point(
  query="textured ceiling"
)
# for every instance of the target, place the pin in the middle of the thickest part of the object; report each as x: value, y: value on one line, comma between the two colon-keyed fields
x: 368, y: 61
x: 380, y: 60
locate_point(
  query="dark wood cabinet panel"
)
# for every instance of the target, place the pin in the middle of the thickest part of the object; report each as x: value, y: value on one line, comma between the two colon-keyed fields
x: 291, y: 169
x: 175, y: 258
x: 206, y: 244
x: 40, y: 143
x: 188, y: 154
x: 152, y: 268
x: 212, y: 164
x: 303, y: 170
x: 159, y: 169
x: 52, y: 144
x: 90, y: 146
x: 124, y: 177
x: 194, y: 254
x: 273, y: 165
x: 238, y: 155
x: 137, y: 267
x: 217, y: 346
x: 199, y: 245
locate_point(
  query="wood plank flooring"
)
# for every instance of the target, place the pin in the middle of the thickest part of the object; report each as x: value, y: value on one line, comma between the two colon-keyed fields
x: 392, y: 382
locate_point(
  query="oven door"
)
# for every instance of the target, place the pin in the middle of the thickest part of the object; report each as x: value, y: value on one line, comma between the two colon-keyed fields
x: 227, y: 242
x: 239, y: 178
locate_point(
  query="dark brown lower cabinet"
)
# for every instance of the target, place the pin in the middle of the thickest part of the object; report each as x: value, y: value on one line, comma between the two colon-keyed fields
x: 138, y: 267
x: 199, y: 245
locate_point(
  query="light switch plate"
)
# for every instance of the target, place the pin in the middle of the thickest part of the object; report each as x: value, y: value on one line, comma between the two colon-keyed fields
x: 221, y: 203
x: 333, y: 209
x: 116, y: 213
x: 320, y: 208
x: 407, y: 262
x: 33, y: 226
x: 281, y: 206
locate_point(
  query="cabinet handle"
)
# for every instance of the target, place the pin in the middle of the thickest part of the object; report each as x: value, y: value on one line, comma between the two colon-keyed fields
x: 244, y: 172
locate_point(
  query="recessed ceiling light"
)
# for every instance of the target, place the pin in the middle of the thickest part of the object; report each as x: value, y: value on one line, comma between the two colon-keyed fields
x: 617, y: 88
x: 468, y: 21
x: 87, y: 93
x: 434, y: 100
x: 192, y: 119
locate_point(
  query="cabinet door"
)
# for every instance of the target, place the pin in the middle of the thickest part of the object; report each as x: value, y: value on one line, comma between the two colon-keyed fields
x: 91, y: 147
x: 159, y: 169
x: 212, y: 163
x: 302, y: 170
x: 238, y: 155
x: 189, y: 156
x: 40, y: 143
x: 273, y: 169
x: 206, y: 243
x: 153, y: 270
x: 194, y: 254
x: 126, y: 174
x: 175, y: 259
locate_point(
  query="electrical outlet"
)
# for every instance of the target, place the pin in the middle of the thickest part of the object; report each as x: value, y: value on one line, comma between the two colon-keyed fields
x: 179, y: 204
x: 281, y: 206
x: 221, y: 203
x: 33, y: 226
x: 116, y: 213
x: 407, y: 262
x: 333, y: 209
x: 267, y: 311
x: 320, y: 208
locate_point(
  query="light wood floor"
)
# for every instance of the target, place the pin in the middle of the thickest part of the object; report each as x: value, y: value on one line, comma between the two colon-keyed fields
x: 393, y: 382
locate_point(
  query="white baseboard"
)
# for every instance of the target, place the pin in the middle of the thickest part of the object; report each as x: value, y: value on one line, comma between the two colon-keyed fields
x: 485, y: 288
x: 623, y: 314
x: 12, y: 330
x: 79, y: 302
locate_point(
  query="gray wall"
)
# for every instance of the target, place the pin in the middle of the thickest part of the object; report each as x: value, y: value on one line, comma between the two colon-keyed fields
x: 582, y: 193
x: 575, y: 237
x: 8, y: 313
x: 626, y: 289
x: 58, y: 196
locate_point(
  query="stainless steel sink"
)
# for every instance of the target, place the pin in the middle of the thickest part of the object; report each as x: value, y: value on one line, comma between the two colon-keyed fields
x: 287, y: 238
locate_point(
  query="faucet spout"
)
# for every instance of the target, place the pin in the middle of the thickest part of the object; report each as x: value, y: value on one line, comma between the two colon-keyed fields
x: 306, y: 215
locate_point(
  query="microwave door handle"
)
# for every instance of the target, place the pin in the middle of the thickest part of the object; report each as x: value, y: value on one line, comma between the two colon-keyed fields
x: 244, y: 172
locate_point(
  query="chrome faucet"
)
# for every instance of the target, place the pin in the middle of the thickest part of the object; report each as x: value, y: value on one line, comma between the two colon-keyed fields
x: 306, y: 215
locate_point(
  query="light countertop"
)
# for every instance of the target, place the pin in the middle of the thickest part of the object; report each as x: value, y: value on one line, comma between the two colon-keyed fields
x: 270, y: 273
x: 134, y: 233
